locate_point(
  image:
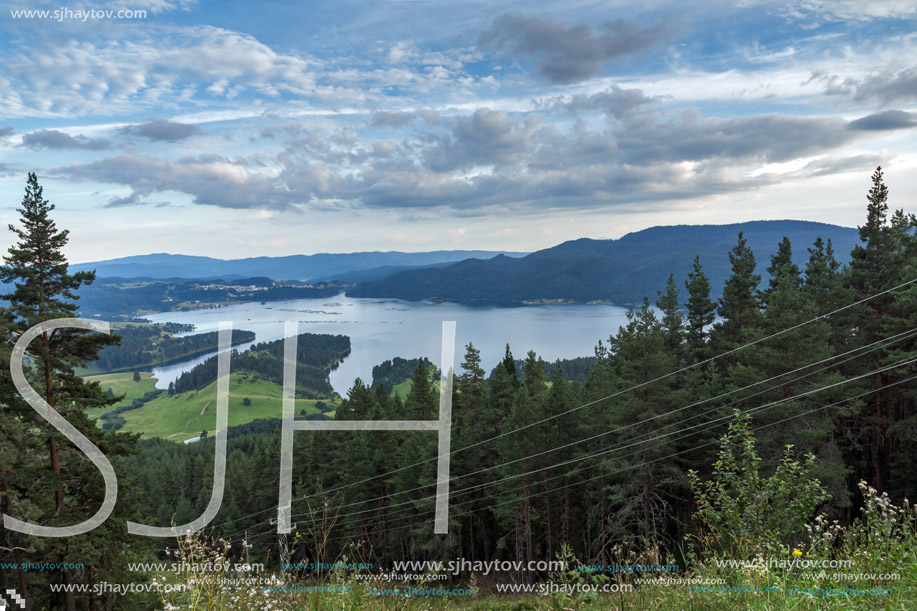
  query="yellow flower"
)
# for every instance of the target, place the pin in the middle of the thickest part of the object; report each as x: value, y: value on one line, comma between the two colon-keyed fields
x: 796, y: 552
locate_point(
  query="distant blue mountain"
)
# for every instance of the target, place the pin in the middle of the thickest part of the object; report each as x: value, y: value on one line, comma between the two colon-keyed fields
x: 619, y: 271
x: 296, y: 267
x: 377, y: 273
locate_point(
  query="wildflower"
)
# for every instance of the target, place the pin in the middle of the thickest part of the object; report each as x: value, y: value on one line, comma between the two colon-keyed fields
x: 796, y: 552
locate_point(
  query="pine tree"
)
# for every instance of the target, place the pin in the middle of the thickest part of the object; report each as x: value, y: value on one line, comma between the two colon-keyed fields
x: 500, y: 396
x: 822, y: 274
x: 738, y: 307
x: 900, y: 317
x: 599, y: 380
x: 783, y: 258
x: 417, y: 448
x: 644, y: 494
x: 789, y: 306
x: 873, y: 268
x: 510, y: 365
x: 701, y: 312
x: 67, y: 489
x: 473, y: 421
x: 672, y: 318
x: 516, y: 449
x: 562, y: 431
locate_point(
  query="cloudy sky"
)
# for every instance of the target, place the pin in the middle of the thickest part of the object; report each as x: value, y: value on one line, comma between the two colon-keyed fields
x: 235, y: 129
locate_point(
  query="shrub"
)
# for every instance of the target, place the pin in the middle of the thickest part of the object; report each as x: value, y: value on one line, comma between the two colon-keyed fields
x: 740, y: 509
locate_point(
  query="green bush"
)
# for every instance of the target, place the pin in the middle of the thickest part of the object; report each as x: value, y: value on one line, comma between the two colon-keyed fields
x: 741, y: 510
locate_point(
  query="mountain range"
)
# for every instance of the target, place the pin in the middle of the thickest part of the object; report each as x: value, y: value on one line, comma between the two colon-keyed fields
x: 323, y: 266
x: 620, y: 271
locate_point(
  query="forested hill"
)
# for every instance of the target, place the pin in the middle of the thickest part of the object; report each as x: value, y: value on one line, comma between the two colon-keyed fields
x: 316, y: 356
x: 619, y: 271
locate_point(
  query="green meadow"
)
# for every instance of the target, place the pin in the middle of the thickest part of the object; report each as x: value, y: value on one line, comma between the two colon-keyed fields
x: 403, y: 389
x: 184, y: 416
x: 121, y: 384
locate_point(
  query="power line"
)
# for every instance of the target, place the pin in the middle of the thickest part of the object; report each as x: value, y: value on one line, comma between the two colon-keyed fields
x: 634, y: 443
x: 656, y: 438
x: 618, y: 393
x: 627, y: 468
x: 669, y: 413
x: 590, y: 403
x: 866, y: 350
x: 806, y: 413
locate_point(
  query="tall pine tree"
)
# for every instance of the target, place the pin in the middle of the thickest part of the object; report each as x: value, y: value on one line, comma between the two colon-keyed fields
x: 872, y: 270
x: 700, y: 313
x: 67, y: 490
x: 739, y: 305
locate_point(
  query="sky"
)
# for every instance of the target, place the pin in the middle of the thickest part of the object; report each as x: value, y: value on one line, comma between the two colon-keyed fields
x: 236, y: 129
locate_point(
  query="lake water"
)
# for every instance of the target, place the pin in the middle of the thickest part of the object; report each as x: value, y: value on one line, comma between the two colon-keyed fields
x: 381, y: 329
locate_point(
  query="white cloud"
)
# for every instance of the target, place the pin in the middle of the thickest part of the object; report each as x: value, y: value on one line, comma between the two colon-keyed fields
x: 851, y: 10
x: 80, y: 77
x: 415, y: 122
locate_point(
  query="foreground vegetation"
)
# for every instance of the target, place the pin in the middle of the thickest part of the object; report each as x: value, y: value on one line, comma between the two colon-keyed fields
x: 741, y: 558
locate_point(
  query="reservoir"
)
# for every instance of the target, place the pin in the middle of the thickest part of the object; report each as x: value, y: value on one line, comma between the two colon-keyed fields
x: 381, y: 329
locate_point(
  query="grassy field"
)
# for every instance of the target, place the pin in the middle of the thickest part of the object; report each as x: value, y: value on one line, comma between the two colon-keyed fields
x: 184, y: 416
x: 404, y: 389
x: 121, y: 384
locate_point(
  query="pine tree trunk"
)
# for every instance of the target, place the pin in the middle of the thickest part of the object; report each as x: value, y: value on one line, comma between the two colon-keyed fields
x: 23, y: 583
x: 71, y: 595
x: 602, y: 535
x: 548, y: 521
x: 17, y: 553
x: 881, y: 457
x: 485, y: 530
x: 587, y: 544
x: 565, y: 523
x: 49, y: 398
x: 528, y: 521
x: 647, y: 519
x: 518, y: 530
x: 471, y: 535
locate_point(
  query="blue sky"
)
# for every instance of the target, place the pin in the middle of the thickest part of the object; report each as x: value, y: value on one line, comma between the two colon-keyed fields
x: 237, y: 129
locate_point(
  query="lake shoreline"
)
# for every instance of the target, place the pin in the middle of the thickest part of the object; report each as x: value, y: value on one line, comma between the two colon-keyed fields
x: 383, y: 328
